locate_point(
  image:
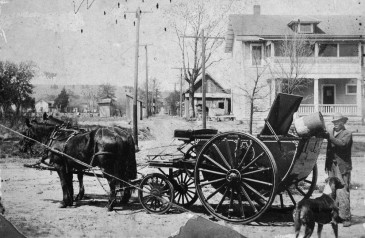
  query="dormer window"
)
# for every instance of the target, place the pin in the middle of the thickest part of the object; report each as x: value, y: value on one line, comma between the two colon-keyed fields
x: 305, y: 28
x: 303, y: 25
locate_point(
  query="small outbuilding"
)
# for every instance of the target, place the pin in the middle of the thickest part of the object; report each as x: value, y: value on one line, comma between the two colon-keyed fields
x: 106, y: 107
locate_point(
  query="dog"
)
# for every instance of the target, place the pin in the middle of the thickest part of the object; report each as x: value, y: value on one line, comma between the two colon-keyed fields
x: 321, y: 210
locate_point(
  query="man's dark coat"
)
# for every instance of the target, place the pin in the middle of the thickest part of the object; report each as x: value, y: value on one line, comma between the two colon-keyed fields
x: 339, y: 151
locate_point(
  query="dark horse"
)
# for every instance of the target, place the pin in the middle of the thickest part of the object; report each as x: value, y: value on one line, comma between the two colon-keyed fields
x: 111, y: 149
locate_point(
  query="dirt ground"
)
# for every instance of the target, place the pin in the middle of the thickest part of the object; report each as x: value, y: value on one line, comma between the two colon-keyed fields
x: 31, y: 198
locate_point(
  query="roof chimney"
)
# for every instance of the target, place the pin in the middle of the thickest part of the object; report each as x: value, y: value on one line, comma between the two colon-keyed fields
x: 256, y: 9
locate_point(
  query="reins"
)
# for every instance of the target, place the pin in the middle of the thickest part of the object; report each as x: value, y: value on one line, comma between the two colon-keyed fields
x: 92, y: 170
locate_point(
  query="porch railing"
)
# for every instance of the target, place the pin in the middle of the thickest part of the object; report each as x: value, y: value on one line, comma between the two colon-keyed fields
x: 329, y: 109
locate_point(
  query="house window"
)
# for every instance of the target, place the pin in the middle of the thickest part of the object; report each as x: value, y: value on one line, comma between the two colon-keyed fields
x: 305, y: 28
x: 256, y: 53
x: 279, y: 49
x: 306, y: 49
x: 327, y: 50
x: 351, y: 89
x: 221, y: 105
x: 268, y: 51
x: 349, y: 50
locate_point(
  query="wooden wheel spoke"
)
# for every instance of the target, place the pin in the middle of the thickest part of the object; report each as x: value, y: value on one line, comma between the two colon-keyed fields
x: 240, y: 203
x: 231, y: 200
x: 291, y: 196
x: 212, y: 181
x: 300, y: 190
x: 238, y: 143
x: 257, y: 193
x: 228, y: 149
x: 165, y: 191
x: 191, y: 191
x: 212, y: 171
x: 257, y: 171
x: 190, y: 183
x: 177, y: 197
x: 186, y: 177
x: 215, y: 192
x: 221, y: 201
x: 188, y: 194
x: 217, y: 164
x: 307, y: 181
x: 253, y: 161
x: 148, y: 198
x: 248, y: 198
x: 257, y: 181
x: 221, y: 156
x: 244, y: 157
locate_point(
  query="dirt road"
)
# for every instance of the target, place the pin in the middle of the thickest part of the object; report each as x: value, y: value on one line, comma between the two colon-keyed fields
x: 31, y: 198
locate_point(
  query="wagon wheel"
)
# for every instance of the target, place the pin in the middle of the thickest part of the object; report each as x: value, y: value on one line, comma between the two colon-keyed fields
x: 156, y: 193
x: 301, y: 189
x: 235, y: 177
x: 184, y: 188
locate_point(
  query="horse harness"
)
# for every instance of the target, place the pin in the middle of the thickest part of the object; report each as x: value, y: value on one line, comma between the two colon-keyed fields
x: 73, y: 132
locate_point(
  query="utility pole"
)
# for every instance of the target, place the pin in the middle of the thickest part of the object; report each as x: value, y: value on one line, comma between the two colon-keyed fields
x: 203, y: 37
x: 147, y: 104
x: 203, y: 83
x: 135, y: 126
x: 135, y: 96
x: 181, y: 93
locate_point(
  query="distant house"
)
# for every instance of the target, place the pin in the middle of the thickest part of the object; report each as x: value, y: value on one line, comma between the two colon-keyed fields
x: 106, y: 107
x: 334, y: 68
x: 44, y: 106
x: 218, y: 99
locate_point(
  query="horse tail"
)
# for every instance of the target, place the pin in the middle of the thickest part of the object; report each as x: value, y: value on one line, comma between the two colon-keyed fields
x: 131, y: 166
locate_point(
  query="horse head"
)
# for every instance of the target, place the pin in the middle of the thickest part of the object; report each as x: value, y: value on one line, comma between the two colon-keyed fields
x: 35, y: 131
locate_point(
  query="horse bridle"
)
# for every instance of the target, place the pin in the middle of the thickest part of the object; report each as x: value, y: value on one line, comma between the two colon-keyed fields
x: 53, y: 137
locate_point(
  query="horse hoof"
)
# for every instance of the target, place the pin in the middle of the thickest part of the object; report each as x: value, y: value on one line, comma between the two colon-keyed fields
x: 110, y: 209
x: 62, y: 205
x: 78, y: 197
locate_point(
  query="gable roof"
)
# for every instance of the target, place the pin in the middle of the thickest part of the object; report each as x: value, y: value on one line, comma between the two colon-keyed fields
x: 244, y: 27
x: 198, y: 83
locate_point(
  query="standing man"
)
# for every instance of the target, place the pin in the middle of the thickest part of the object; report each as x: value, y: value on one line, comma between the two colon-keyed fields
x: 339, y: 164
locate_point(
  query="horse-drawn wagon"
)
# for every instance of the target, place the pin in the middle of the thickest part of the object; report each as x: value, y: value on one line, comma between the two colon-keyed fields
x: 235, y: 175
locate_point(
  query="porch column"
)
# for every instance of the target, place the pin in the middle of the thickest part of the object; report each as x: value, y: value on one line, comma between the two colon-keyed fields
x: 225, y: 106
x: 316, y: 97
x: 273, y: 90
x: 359, y: 96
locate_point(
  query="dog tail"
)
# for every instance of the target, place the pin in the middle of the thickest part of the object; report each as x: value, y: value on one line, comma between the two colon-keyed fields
x: 297, y: 220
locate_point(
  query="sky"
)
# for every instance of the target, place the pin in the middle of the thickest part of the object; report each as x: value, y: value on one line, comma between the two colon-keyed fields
x: 82, y: 45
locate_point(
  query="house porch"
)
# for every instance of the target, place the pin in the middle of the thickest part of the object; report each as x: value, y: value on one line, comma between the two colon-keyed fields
x: 329, y: 95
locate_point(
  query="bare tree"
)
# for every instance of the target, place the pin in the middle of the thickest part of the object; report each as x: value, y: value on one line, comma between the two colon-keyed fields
x: 294, y: 56
x: 156, y: 93
x: 106, y: 91
x: 91, y: 95
x: 189, y: 20
x: 254, y: 89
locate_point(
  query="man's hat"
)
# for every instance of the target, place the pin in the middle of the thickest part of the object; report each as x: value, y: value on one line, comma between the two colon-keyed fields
x: 337, y: 116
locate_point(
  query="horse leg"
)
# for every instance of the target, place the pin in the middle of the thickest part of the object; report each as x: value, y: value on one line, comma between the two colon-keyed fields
x: 70, y: 187
x: 112, y: 196
x: 65, y: 184
x: 80, y: 177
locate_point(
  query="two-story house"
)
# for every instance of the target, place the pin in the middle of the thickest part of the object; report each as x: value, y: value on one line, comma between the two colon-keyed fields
x: 333, y: 65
